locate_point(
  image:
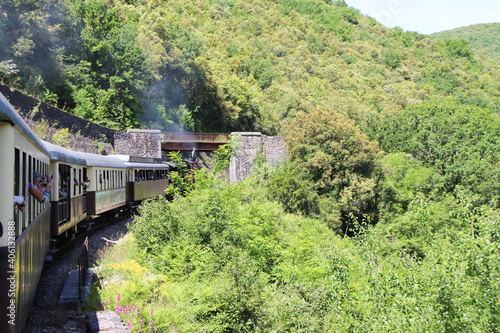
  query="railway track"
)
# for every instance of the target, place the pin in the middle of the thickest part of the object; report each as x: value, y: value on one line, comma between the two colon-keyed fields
x: 45, y: 315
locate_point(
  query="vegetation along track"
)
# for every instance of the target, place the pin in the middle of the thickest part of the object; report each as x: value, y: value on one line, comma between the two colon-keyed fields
x: 45, y: 315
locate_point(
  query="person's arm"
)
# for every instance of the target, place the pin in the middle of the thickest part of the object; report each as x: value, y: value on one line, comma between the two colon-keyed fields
x: 34, y: 191
x: 41, y: 194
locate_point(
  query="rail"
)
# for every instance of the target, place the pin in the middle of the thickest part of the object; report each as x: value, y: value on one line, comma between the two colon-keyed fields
x: 195, y: 137
x: 83, y: 266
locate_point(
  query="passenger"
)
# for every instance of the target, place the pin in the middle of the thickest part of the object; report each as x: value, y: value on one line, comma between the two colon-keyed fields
x: 87, y: 182
x: 75, y: 181
x: 40, y: 188
x: 20, y: 203
x: 62, y: 189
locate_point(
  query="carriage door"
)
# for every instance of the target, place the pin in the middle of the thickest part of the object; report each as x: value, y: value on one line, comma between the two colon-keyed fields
x: 64, y: 193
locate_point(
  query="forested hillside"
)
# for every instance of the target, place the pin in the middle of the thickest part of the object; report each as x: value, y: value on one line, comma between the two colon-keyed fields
x: 222, y: 65
x: 385, y: 217
x: 483, y: 38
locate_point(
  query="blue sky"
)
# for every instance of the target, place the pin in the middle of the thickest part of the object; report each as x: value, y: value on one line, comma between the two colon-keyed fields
x: 429, y: 16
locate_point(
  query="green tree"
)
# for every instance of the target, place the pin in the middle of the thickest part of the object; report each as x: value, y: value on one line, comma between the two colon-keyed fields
x: 340, y: 160
x: 461, y: 142
x: 114, y: 68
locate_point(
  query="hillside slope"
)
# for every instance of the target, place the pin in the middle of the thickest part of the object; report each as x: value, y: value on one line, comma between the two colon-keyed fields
x: 483, y: 38
x: 224, y: 65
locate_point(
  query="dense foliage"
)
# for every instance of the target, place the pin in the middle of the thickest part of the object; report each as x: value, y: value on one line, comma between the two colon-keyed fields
x: 224, y: 65
x: 483, y: 38
x: 228, y: 258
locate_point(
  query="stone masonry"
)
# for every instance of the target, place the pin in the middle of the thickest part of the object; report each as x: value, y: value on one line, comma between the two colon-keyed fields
x: 144, y: 143
x: 251, y: 143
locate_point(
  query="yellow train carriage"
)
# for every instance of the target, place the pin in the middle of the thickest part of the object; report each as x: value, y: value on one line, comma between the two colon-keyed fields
x: 24, y: 236
x: 145, y: 177
x: 69, y: 197
x: 106, y: 190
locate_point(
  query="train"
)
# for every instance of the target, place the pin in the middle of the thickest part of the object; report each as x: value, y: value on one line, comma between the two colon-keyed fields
x: 84, y: 186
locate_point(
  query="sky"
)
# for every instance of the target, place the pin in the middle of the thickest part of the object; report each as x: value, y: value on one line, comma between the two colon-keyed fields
x: 429, y: 16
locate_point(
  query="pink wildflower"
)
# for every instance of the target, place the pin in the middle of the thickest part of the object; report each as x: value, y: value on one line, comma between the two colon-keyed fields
x: 129, y: 324
x: 109, y: 301
x: 118, y: 297
x: 103, y: 307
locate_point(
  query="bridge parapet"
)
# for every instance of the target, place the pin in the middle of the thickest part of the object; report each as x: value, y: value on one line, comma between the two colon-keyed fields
x: 174, y: 141
x: 195, y: 137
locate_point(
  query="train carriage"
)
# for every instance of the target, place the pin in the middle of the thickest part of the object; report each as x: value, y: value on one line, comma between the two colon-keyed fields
x: 107, y: 185
x: 24, y: 236
x: 69, y: 195
x: 146, y: 177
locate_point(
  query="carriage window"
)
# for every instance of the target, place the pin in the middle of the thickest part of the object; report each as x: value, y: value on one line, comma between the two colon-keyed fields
x: 85, y: 182
x: 24, y: 186
x: 74, y: 181
x: 17, y: 181
x: 80, y: 181
x: 36, y: 167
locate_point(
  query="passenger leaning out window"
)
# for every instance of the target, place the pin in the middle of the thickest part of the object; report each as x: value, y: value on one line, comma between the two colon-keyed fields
x: 41, y: 187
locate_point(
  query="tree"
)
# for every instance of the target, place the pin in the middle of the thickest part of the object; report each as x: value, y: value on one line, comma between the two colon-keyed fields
x: 340, y: 160
x: 461, y: 142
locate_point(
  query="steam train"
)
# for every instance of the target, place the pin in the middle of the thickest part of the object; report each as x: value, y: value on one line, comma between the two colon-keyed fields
x: 85, y: 185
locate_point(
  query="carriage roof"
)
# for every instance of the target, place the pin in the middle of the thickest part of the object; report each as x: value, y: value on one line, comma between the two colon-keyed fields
x: 8, y: 114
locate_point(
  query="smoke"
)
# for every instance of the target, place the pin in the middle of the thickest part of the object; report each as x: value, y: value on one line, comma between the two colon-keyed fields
x: 164, y: 107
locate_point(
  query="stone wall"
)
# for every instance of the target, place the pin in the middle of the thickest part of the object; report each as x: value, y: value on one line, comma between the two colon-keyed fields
x: 144, y: 143
x: 36, y: 110
x: 242, y: 161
